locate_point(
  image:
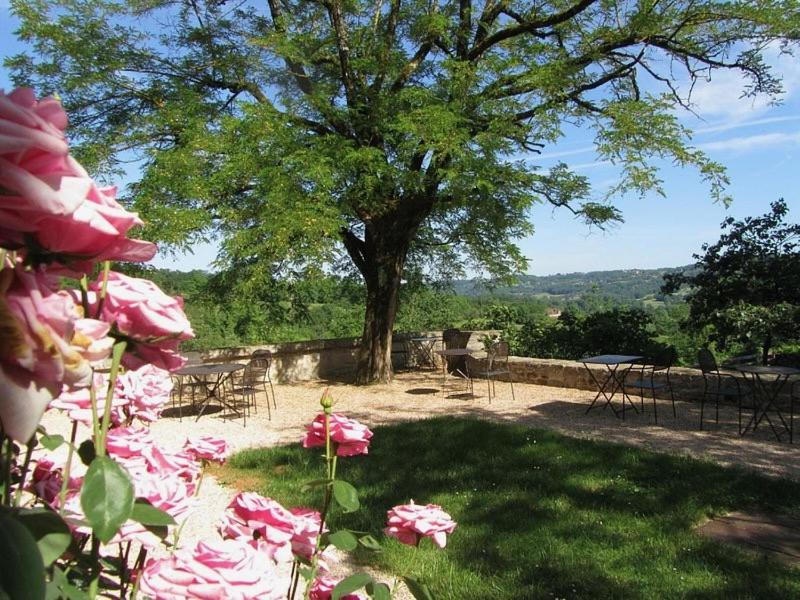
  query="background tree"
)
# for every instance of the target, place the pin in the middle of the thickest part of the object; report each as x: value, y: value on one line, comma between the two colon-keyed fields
x: 747, y: 284
x: 391, y: 130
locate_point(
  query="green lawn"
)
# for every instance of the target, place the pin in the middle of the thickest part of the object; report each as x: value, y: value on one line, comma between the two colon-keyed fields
x: 541, y: 515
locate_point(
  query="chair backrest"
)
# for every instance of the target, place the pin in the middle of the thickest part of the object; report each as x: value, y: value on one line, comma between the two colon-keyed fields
x: 664, y: 359
x: 257, y: 370
x: 498, y: 354
x: 193, y: 358
x: 267, y: 354
x: 708, y: 364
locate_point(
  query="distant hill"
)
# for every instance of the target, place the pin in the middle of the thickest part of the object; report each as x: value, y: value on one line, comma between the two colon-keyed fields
x: 625, y: 285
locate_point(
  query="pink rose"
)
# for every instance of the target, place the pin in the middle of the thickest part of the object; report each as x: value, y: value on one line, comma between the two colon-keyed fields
x: 153, y: 321
x: 251, y: 516
x: 173, y: 495
x: 144, y: 392
x: 56, y: 207
x: 96, y: 231
x: 46, y: 480
x: 351, y: 437
x: 78, y: 403
x: 34, y: 159
x: 322, y: 588
x: 306, y: 531
x: 126, y: 442
x: 230, y: 569
x: 40, y: 349
x: 208, y: 448
x: 409, y: 523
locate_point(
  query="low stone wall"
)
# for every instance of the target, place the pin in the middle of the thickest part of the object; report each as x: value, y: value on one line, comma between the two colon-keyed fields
x: 687, y: 384
x: 336, y: 359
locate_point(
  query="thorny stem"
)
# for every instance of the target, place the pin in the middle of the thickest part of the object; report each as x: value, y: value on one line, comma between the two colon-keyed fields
x: 62, y: 496
x: 28, y: 452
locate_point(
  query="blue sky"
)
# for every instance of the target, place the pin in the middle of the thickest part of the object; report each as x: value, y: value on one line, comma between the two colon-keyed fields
x: 758, y: 143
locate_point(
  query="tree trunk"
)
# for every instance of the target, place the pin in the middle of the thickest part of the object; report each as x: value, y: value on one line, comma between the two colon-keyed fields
x: 375, y: 352
x: 380, y: 257
x: 765, y: 348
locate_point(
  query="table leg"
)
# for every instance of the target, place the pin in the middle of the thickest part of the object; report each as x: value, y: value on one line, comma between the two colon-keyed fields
x: 765, y: 395
x: 616, y: 385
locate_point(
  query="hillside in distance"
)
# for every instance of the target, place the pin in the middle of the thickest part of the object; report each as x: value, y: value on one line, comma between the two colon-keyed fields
x: 624, y: 285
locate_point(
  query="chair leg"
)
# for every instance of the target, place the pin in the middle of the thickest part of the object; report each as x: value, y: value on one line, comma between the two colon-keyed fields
x: 272, y: 389
x: 702, y: 406
x: 511, y: 383
x: 655, y: 407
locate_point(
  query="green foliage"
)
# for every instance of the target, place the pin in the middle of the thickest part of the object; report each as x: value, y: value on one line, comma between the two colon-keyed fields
x: 621, y: 330
x: 297, y: 131
x: 746, y: 286
x: 541, y: 515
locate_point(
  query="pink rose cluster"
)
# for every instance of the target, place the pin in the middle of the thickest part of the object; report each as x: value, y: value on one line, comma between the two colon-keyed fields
x: 57, y: 221
x: 139, y: 394
x: 350, y: 436
x: 409, y: 523
x: 277, y: 532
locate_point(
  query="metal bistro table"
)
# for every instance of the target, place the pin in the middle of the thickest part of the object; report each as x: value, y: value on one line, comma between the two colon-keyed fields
x: 422, y: 348
x: 766, y: 382
x: 454, y: 352
x: 614, y: 377
x: 213, y: 377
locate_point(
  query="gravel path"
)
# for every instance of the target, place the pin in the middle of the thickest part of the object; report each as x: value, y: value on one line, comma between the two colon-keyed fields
x: 413, y: 396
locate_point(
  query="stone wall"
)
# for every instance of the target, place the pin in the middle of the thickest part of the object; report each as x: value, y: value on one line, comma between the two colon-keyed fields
x: 336, y: 360
x: 687, y: 384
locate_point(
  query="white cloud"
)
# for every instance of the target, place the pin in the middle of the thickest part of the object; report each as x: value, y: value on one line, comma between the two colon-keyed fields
x: 727, y: 126
x: 720, y: 96
x: 753, y: 142
x: 590, y: 165
x: 562, y: 153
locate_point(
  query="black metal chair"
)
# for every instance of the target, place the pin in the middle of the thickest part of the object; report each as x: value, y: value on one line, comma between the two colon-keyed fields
x: 719, y: 384
x: 185, y: 384
x: 496, y: 365
x: 263, y: 372
x: 652, y: 375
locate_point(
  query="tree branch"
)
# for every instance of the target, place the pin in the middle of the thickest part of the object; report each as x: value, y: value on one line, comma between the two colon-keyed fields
x: 295, y: 68
x: 529, y: 27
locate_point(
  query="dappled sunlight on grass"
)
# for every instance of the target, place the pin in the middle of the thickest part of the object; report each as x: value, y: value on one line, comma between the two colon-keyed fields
x: 542, y: 515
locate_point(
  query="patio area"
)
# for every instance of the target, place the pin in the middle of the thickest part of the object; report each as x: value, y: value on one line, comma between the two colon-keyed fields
x: 418, y: 395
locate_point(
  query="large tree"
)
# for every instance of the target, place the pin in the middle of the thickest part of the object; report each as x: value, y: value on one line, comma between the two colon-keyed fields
x: 398, y: 131
x: 746, y: 285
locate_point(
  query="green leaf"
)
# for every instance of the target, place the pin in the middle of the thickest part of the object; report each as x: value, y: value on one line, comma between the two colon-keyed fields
x: 21, y: 565
x: 345, y: 495
x: 61, y: 589
x: 350, y: 584
x: 344, y: 540
x: 87, y: 452
x: 379, y: 591
x: 51, y: 442
x: 106, y: 497
x: 145, y: 513
x: 419, y: 590
x: 370, y: 543
x: 51, y: 533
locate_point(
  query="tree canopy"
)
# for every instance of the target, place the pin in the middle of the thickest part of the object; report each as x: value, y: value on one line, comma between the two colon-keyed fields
x: 399, y: 135
x: 747, y: 284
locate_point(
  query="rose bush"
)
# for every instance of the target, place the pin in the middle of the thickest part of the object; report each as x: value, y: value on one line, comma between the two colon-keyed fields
x: 101, y: 516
